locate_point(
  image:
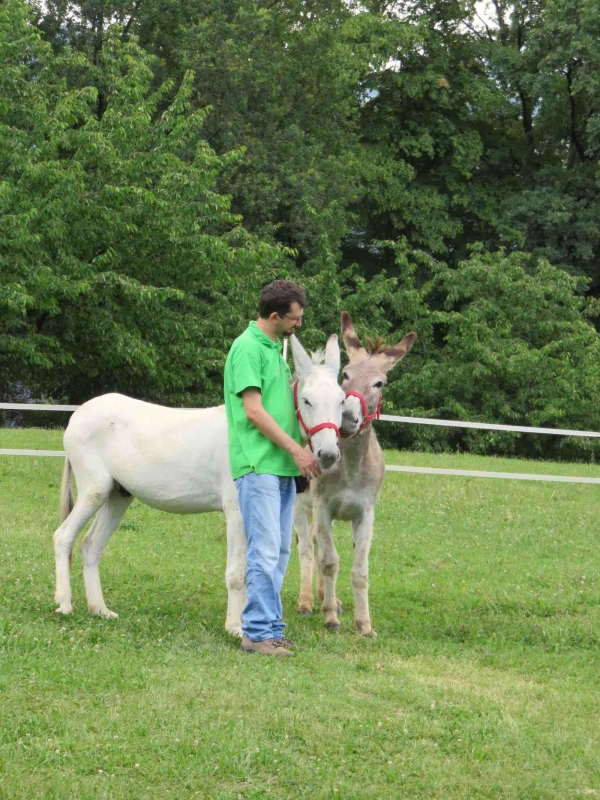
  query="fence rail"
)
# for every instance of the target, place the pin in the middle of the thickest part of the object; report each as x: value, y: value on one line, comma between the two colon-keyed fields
x: 447, y: 423
x: 389, y: 468
x: 51, y: 453
x: 466, y: 473
x: 515, y: 476
x: 36, y: 407
x: 488, y: 426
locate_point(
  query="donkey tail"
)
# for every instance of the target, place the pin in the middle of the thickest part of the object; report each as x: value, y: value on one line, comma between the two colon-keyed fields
x: 66, y: 491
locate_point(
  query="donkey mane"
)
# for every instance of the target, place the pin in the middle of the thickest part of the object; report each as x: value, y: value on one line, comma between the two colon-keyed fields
x: 376, y: 346
x: 318, y: 357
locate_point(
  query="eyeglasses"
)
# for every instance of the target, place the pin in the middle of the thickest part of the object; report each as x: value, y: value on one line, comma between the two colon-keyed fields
x: 291, y: 319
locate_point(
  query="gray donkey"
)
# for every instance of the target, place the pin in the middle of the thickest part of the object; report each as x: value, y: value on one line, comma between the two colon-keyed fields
x: 348, y: 491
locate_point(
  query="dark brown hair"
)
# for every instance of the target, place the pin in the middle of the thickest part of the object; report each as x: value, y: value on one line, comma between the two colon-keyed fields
x: 278, y: 296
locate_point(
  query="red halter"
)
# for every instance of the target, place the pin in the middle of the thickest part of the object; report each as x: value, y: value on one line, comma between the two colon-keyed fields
x: 366, y: 416
x: 311, y: 431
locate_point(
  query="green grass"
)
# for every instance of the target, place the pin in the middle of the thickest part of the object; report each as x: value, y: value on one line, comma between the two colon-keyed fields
x: 483, y: 682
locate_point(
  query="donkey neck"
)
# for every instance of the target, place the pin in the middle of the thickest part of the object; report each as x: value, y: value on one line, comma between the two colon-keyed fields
x: 355, y: 450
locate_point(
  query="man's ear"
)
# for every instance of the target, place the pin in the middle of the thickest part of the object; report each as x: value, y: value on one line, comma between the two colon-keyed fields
x: 304, y: 365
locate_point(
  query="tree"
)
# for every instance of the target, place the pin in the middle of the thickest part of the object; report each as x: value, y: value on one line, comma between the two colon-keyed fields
x: 547, y: 57
x: 281, y: 79
x: 503, y: 338
x: 121, y: 267
x: 335, y: 127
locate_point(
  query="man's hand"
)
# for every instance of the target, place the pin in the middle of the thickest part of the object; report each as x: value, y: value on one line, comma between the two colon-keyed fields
x: 265, y: 423
x: 306, y: 463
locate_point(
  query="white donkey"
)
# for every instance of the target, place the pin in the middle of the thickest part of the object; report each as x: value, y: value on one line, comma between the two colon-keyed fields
x: 348, y: 491
x: 175, y: 460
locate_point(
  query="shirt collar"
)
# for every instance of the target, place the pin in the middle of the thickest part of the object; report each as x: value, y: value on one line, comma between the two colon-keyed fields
x: 263, y: 338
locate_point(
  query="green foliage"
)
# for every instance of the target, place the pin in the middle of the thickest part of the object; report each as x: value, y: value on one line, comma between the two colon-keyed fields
x: 281, y: 78
x: 546, y: 58
x: 121, y: 267
x: 431, y: 151
x: 333, y: 128
x: 503, y: 338
x: 374, y: 121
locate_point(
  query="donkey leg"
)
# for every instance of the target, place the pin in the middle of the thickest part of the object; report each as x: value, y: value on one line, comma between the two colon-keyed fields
x: 321, y: 588
x: 363, y: 534
x: 93, y: 546
x: 235, y: 574
x: 306, y: 554
x: 86, y: 506
x: 317, y: 567
x: 328, y: 567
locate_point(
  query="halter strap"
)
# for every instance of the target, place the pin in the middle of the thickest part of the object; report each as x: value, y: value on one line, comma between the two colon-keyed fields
x: 311, y: 431
x: 365, y: 412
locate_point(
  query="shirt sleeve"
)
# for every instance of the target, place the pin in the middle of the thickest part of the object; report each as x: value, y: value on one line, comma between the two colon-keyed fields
x: 246, y: 369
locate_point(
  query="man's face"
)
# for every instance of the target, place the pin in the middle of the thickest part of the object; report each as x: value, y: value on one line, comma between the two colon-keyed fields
x: 286, y: 325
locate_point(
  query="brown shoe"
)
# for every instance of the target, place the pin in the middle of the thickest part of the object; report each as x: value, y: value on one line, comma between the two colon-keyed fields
x: 268, y: 647
x: 285, y: 642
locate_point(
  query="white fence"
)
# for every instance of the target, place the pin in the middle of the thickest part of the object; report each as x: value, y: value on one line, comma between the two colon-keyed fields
x: 448, y: 423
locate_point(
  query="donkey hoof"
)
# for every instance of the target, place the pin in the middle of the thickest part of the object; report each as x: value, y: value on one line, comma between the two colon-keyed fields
x: 368, y: 633
x: 334, y: 627
x: 340, y: 609
x: 234, y: 630
x: 305, y: 612
x: 64, y: 608
x: 104, y: 613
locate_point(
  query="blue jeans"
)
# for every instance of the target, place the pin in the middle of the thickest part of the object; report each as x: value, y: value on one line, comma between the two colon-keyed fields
x: 267, y: 506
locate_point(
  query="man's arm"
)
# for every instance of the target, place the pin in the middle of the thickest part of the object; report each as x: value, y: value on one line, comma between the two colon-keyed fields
x: 265, y: 423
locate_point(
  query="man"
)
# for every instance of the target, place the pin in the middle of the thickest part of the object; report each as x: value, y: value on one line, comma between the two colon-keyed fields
x: 266, y: 456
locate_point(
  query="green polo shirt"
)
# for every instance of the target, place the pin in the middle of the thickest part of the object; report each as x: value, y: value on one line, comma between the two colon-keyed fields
x: 255, y: 360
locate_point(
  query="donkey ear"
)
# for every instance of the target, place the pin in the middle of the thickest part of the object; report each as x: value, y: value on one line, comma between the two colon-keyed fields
x: 350, y: 337
x: 332, y: 355
x: 304, y: 365
x: 397, y: 353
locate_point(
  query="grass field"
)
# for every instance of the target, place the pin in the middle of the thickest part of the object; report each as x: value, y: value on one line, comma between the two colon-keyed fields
x: 483, y: 683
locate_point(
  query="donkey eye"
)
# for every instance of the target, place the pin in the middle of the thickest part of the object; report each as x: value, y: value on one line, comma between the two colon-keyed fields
x: 306, y: 403
x: 378, y: 384
x: 345, y: 376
